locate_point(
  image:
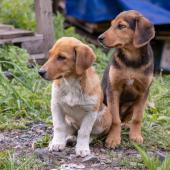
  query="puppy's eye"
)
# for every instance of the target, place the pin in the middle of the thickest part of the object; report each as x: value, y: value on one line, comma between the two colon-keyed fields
x: 121, y: 26
x: 60, y: 58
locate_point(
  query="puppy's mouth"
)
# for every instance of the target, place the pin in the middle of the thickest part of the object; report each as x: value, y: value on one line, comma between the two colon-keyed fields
x: 102, y: 44
x: 58, y: 77
x: 113, y: 46
x: 110, y: 46
x: 118, y: 45
x: 46, y: 78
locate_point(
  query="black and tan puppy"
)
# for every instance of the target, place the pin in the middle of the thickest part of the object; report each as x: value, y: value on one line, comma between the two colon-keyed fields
x: 127, y: 78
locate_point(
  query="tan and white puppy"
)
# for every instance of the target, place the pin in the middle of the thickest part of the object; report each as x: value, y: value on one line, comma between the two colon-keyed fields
x: 77, y: 98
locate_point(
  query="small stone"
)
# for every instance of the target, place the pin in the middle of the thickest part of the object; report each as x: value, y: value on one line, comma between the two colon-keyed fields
x: 102, y: 150
x: 138, y: 156
x: 97, y: 154
x: 9, y: 75
x: 42, y: 153
x: 102, y: 163
x: 2, y: 137
x: 72, y: 156
x: 160, y: 155
x: 133, y: 164
x: 95, y: 165
x: 117, y: 168
x: 119, y: 155
x: 71, y: 166
x: 90, y: 158
x: 106, y: 161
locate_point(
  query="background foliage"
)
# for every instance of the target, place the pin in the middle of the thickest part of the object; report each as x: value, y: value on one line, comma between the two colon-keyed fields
x: 18, y: 13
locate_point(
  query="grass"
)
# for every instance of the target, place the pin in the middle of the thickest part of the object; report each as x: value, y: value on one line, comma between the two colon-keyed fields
x: 21, y: 99
x: 153, y: 163
x: 9, y: 161
x: 26, y: 98
x: 18, y: 13
x: 42, y: 142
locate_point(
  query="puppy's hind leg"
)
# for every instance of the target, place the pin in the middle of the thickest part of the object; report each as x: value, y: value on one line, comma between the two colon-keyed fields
x: 72, y: 131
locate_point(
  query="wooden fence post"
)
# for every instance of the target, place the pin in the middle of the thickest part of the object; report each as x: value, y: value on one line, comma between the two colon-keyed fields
x: 44, y: 17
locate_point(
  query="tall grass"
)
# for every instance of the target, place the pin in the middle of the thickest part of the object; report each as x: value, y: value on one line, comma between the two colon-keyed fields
x: 26, y: 95
x: 153, y: 163
x: 9, y: 161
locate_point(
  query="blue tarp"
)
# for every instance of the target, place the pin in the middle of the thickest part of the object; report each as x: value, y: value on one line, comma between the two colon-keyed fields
x: 158, y: 11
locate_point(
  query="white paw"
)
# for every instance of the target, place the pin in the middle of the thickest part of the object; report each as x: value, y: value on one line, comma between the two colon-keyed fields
x: 54, y: 146
x: 82, y: 151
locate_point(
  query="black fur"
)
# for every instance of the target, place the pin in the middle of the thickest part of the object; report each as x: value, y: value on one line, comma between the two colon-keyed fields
x: 105, y: 83
x: 143, y: 60
x: 146, y: 57
x: 149, y: 69
x: 131, y: 21
x: 115, y: 63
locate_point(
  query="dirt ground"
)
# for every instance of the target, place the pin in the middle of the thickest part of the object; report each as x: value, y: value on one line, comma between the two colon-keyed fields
x: 22, y: 143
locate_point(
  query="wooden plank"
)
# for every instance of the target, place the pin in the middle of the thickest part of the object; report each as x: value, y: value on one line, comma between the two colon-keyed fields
x: 21, y: 39
x: 14, y: 33
x: 6, y: 27
x: 162, y: 37
x: 89, y: 27
x: 37, y: 56
x: 37, y: 59
x: 33, y: 46
x: 165, y: 58
x: 44, y: 19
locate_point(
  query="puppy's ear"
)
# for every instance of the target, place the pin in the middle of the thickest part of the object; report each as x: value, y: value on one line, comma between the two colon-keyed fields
x: 144, y: 32
x: 84, y: 58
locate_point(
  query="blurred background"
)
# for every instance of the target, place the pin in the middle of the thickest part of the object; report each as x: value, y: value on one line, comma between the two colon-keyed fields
x: 89, y: 18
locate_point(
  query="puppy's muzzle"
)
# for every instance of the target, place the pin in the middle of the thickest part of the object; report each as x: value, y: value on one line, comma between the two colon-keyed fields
x: 42, y: 72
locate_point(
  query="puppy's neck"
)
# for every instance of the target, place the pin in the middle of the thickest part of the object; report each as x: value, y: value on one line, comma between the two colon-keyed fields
x: 74, y: 76
x: 133, y: 53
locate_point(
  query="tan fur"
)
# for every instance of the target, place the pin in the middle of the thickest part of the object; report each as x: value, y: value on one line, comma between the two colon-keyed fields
x: 76, y: 93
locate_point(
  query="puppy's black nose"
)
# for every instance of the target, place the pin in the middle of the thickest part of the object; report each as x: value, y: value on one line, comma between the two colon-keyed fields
x: 42, y: 72
x: 101, y: 38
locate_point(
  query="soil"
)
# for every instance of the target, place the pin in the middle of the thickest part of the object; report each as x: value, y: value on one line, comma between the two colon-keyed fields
x: 21, y: 141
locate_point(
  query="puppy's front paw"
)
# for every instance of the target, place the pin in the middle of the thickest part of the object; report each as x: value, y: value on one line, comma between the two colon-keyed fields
x: 136, y: 138
x: 82, y: 151
x: 54, y: 146
x: 112, y: 142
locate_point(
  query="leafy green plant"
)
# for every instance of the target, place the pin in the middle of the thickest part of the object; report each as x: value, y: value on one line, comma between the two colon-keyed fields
x: 156, y: 126
x: 18, y: 13
x: 24, y: 98
x: 42, y: 142
x: 153, y: 163
x: 60, y: 31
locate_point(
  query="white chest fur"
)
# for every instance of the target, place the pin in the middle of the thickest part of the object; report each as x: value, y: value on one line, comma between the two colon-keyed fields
x: 72, y: 99
x: 130, y: 82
